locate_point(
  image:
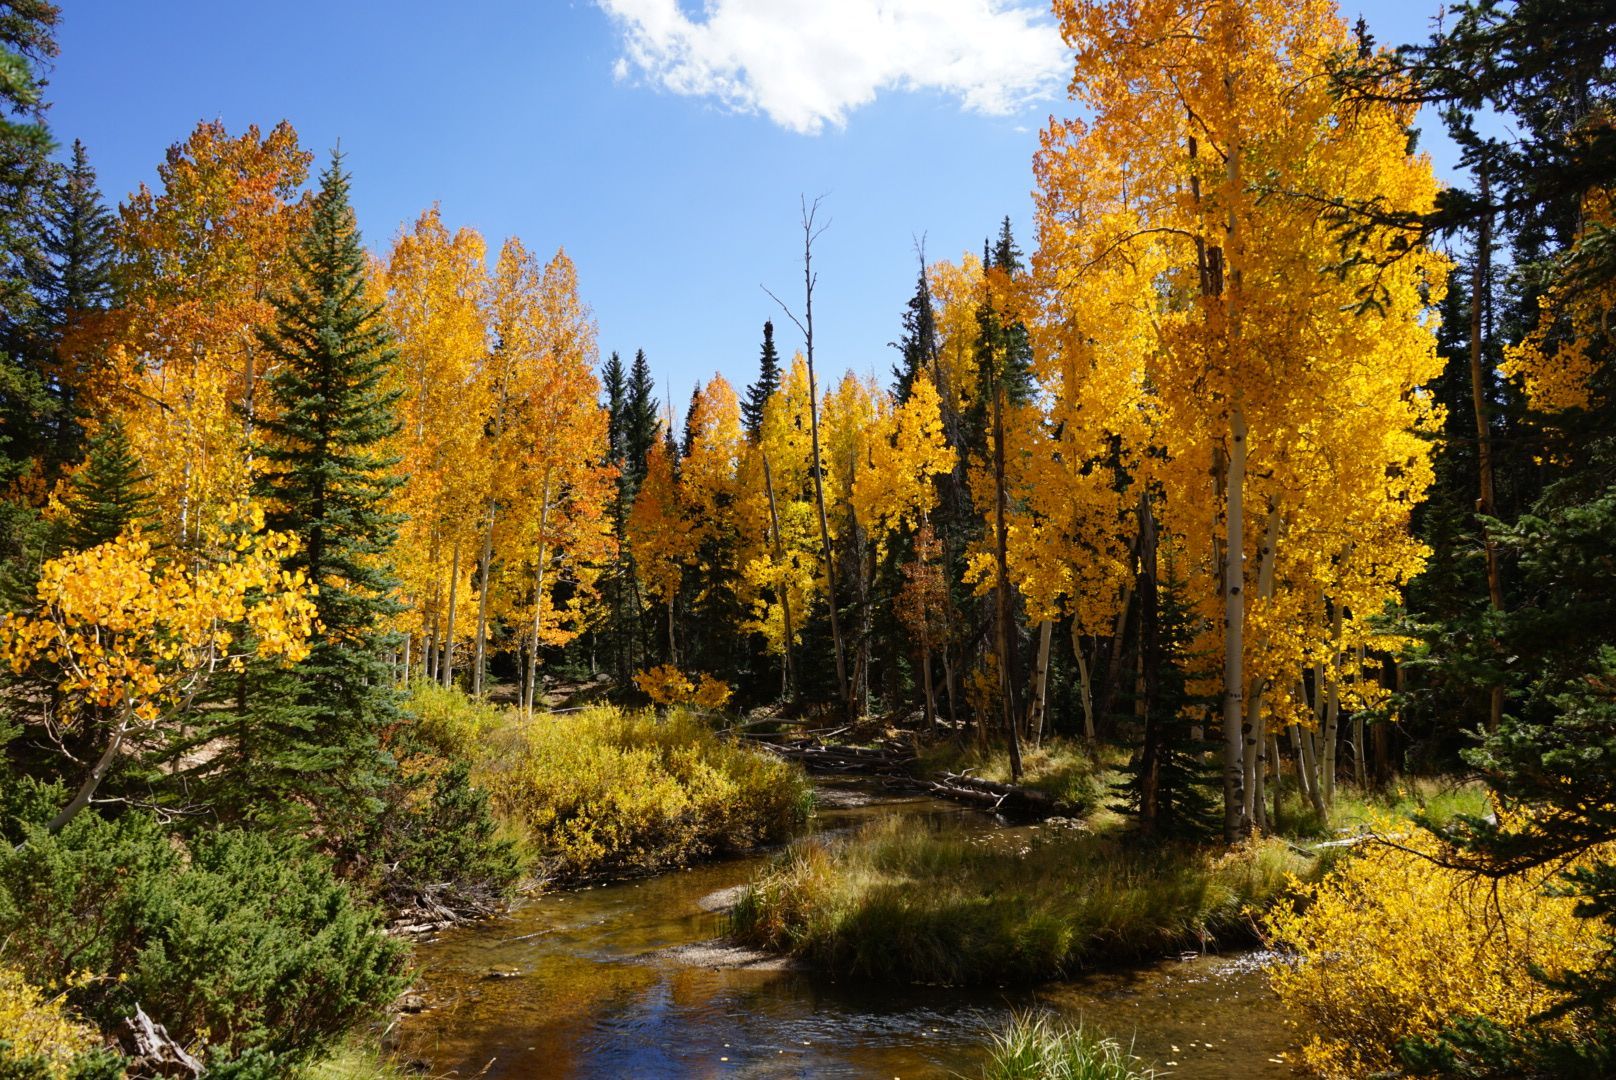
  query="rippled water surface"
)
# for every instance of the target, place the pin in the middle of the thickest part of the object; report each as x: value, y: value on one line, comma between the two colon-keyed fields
x: 629, y: 980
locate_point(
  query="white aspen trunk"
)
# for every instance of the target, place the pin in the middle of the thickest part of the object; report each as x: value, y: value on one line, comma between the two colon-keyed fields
x: 485, y: 563
x: 785, y: 592
x: 454, y: 602
x: 1236, y: 820
x: 409, y: 640
x: 529, y: 699
x: 1332, y: 709
x: 1040, y: 690
x: 1256, y: 718
x: 1084, y: 682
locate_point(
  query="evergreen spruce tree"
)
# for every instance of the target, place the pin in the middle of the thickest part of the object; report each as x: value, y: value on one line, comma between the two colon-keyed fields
x: 768, y: 381
x: 1186, y: 800
x: 616, y: 387
x: 917, y: 348
x: 72, y: 279
x: 640, y: 421
x: 311, y: 737
x: 107, y: 495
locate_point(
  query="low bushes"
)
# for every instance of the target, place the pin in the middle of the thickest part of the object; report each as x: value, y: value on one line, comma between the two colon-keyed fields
x: 233, y: 941
x: 608, y: 791
x: 1035, y: 1048
x: 1393, y: 950
x: 898, y: 902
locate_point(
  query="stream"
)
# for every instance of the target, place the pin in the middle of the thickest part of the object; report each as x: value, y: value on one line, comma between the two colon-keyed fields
x: 631, y: 979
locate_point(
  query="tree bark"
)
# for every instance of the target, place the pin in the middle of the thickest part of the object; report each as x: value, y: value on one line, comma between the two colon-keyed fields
x: 1002, y: 593
x: 530, y: 683
x: 485, y: 564
x: 1236, y: 822
x: 447, y: 672
x: 1040, y: 684
x: 1149, y: 666
x: 1487, y: 504
x: 780, y: 560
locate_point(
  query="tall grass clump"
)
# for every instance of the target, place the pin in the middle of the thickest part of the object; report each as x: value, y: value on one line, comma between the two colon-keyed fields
x: 605, y: 790
x: 899, y: 902
x: 1034, y: 1048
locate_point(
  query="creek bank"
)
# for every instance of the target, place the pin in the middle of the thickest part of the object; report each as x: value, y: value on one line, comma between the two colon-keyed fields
x: 604, y: 990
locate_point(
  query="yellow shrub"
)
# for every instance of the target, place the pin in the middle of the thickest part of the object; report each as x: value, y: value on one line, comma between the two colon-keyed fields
x: 667, y: 685
x: 35, y: 1024
x: 664, y: 685
x: 1392, y: 946
x: 604, y: 790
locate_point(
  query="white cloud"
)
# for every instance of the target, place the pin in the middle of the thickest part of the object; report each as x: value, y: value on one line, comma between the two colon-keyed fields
x: 806, y: 63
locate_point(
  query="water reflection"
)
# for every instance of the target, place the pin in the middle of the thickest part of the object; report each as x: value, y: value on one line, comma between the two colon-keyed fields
x: 602, y: 982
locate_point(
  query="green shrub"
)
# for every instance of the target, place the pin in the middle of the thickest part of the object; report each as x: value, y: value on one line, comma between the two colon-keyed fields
x: 897, y: 902
x: 450, y: 722
x: 1034, y: 1048
x: 603, y: 790
x: 235, y: 940
x: 437, y: 843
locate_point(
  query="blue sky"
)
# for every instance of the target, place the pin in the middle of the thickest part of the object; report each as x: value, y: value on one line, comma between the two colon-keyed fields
x: 664, y: 150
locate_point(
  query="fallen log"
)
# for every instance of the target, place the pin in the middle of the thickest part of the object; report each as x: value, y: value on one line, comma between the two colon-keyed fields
x: 1006, y: 798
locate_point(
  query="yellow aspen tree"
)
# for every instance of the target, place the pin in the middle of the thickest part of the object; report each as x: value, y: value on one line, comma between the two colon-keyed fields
x: 434, y: 284
x: 132, y: 638
x: 1211, y: 124
x: 558, y: 440
x: 894, y: 489
x: 200, y: 257
x: 780, y: 553
x: 659, y: 536
x: 852, y: 413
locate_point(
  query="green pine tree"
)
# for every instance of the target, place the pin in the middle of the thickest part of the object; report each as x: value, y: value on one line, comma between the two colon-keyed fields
x: 107, y: 496
x: 768, y: 381
x: 640, y: 423
x: 312, y: 738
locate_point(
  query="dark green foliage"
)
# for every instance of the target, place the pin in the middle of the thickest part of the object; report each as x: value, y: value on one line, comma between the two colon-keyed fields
x: 91, y: 1065
x: 106, y: 496
x: 613, y: 382
x: 437, y: 842
x: 1187, y: 776
x: 72, y: 279
x: 310, y: 738
x: 640, y: 424
x: 768, y: 381
x: 917, y: 347
x: 243, y: 937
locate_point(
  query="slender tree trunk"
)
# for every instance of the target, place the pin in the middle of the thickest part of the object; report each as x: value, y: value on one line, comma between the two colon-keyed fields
x: 530, y: 683
x: 1040, y: 684
x: 810, y: 279
x: 1487, y: 504
x: 485, y: 564
x: 98, y: 773
x: 1002, y: 593
x: 1084, y: 684
x: 1113, y: 659
x: 1149, y: 667
x: 454, y: 602
x: 1255, y: 743
x: 780, y: 560
x: 1235, y: 819
x: 409, y: 640
x: 1332, y: 710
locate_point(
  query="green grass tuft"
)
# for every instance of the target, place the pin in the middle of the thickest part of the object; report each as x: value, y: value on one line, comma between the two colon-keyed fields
x: 897, y: 902
x: 1034, y: 1048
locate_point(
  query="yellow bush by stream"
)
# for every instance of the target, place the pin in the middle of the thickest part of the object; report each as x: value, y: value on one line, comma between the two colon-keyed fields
x: 604, y: 790
x: 1392, y: 946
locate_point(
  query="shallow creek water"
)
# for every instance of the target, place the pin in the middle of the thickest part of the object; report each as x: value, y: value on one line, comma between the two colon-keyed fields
x: 631, y: 980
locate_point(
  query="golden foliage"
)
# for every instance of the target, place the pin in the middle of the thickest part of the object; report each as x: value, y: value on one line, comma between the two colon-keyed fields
x: 1392, y: 946
x: 35, y: 1024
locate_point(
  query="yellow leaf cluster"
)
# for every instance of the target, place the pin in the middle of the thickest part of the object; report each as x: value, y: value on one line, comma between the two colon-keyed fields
x: 1392, y: 946
x: 37, y: 1024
